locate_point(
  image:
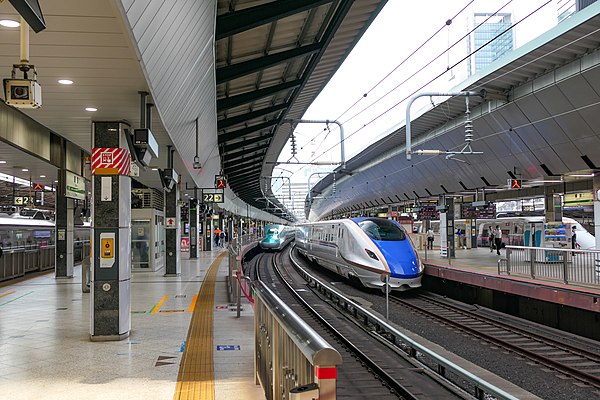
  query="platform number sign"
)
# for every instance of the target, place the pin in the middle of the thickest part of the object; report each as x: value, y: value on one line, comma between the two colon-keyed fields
x: 212, y: 197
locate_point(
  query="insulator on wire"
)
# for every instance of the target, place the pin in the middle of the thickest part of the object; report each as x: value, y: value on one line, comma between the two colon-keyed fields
x: 293, y: 143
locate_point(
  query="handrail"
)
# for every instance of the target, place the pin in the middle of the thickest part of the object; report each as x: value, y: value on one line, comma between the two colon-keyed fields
x: 316, y: 350
x: 571, y: 266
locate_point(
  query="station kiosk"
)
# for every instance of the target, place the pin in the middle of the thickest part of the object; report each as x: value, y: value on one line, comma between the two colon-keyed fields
x: 148, y: 232
x: 552, y: 235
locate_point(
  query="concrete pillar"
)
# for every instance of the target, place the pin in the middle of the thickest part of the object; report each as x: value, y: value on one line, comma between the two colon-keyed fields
x: 553, y: 205
x: 447, y: 227
x: 63, y: 266
x: 173, y: 233
x: 111, y: 251
x: 596, y: 184
x: 193, y: 216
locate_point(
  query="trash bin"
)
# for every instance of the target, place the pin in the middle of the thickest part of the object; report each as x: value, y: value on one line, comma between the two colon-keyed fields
x: 305, y: 392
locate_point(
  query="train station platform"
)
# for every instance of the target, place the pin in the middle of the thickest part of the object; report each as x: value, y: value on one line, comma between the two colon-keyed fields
x: 479, y: 267
x: 46, y: 353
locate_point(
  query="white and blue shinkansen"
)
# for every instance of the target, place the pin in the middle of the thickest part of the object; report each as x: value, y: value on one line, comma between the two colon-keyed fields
x: 363, y: 248
x: 276, y: 237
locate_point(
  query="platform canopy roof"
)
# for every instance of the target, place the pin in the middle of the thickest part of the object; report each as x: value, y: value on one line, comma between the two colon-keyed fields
x: 272, y: 60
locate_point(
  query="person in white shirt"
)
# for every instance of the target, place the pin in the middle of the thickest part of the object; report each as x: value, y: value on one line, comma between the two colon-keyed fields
x: 430, y: 237
x: 498, y: 239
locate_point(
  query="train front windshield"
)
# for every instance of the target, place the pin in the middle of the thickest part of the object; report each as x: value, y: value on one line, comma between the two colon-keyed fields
x: 382, y: 229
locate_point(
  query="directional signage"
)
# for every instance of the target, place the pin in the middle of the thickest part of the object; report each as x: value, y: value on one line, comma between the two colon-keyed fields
x: 171, y: 222
x: 212, y: 198
x: 75, y: 186
x: 23, y: 201
x: 37, y: 186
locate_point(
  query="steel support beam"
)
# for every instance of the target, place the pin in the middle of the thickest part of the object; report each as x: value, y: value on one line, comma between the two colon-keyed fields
x: 238, y: 145
x: 239, y: 21
x: 240, y: 133
x: 239, y: 119
x: 230, y: 72
x: 244, y: 98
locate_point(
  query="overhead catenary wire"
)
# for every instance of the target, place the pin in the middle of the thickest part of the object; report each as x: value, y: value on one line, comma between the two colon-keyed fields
x: 438, y: 76
x: 407, y: 58
x: 469, y: 55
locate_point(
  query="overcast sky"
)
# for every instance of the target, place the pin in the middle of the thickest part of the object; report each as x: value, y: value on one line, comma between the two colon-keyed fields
x: 400, y: 29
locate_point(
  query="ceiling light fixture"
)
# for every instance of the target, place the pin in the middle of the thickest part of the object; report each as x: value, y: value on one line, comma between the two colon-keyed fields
x: 25, y: 170
x: 42, y: 176
x: 2, y: 162
x: 9, y: 23
x: 582, y: 175
x: 65, y: 81
x: 91, y: 109
x: 546, y: 181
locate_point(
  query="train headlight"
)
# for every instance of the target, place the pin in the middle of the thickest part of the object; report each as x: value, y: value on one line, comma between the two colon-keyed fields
x: 372, y: 255
x: 421, y: 267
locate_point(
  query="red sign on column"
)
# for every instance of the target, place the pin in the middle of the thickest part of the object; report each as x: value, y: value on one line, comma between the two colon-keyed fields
x: 110, y: 161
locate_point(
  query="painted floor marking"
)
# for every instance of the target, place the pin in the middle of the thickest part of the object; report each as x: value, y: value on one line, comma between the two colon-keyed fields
x: 158, y: 305
x: 193, y: 304
x: 7, y: 293
x: 17, y: 298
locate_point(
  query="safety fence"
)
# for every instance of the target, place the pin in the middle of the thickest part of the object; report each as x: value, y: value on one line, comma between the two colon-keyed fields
x: 570, y: 266
x: 237, y: 284
x: 291, y: 360
x: 17, y: 261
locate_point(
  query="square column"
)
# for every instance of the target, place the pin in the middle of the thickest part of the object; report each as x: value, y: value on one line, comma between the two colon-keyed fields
x: 63, y: 266
x: 111, y: 250
x: 194, y: 239
x: 173, y: 233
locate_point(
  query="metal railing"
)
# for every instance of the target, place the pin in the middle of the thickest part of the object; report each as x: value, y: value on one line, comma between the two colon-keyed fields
x: 289, y: 354
x: 570, y: 266
x: 234, y: 289
x: 17, y: 261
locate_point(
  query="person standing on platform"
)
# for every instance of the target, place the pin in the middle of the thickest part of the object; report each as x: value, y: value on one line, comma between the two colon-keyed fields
x: 459, y: 236
x: 430, y: 237
x: 573, y: 238
x: 498, y: 239
x: 491, y: 238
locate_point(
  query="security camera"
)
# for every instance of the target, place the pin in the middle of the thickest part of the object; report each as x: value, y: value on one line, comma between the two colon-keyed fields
x: 197, y: 164
x: 23, y: 93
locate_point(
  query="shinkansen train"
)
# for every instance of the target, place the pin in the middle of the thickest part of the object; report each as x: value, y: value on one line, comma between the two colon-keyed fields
x: 276, y: 237
x: 517, y: 231
x: 366, y: 249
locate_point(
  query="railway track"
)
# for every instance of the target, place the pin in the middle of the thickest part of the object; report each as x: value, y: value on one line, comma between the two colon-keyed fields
x: 568, y: 359
x: 371, y: 368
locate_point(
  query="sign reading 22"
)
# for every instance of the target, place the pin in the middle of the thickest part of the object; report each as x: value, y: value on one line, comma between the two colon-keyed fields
x: 212, y: 197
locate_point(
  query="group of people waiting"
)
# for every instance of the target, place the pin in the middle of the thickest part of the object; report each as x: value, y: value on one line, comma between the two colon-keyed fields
x: 495, y: 239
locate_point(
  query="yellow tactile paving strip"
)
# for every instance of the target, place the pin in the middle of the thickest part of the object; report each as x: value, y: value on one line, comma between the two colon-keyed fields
x: 196, y: 372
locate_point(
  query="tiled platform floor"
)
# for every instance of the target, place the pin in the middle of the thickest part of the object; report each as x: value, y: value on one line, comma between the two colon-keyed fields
x: 45, y: 351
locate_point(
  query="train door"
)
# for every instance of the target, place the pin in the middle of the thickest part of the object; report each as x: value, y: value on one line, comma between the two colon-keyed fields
x: 532, y: 234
